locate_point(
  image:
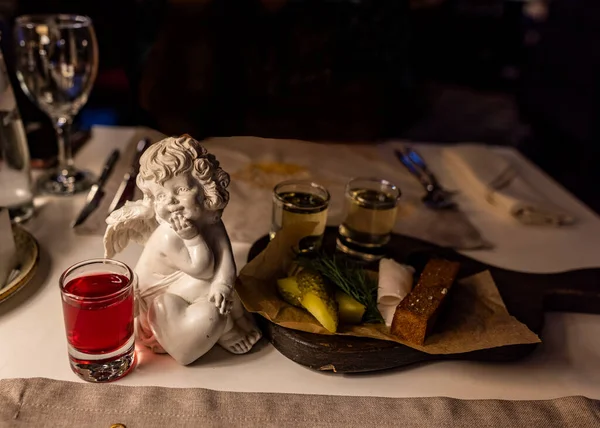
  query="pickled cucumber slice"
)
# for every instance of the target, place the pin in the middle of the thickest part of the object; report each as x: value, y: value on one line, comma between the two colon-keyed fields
x: 350, y: 310
x: 318, y: 299
x: 322, y: 309
x: 289, y: 291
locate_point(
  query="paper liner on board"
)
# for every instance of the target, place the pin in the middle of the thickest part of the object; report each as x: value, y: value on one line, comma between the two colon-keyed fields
x: 474, y: 318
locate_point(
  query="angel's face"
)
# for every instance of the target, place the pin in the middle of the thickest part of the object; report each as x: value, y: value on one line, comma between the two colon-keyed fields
x: 180, y: 194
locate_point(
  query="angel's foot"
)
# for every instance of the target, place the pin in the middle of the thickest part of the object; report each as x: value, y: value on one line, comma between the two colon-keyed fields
x: 239, y: 340
x: 246, y: 322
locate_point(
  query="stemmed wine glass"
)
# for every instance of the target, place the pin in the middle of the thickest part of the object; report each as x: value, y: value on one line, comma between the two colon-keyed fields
x: 57, y: 63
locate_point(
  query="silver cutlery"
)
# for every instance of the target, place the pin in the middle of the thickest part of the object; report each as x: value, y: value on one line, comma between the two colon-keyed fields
x: 436, y: 197
x: 96, y: 193
x: 465, y: 235
x: 126, y: 189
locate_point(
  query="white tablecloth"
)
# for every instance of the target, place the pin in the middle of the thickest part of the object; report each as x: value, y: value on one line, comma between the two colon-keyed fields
x: 33, y: 344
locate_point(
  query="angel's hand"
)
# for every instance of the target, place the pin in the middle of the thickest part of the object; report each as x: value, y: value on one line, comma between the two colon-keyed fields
x: 222, y: 296
x: 183, y: 227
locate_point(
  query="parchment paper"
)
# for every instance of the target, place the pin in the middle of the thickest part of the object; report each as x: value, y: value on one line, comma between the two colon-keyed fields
x: 474, y: 316
x: 256, y: 165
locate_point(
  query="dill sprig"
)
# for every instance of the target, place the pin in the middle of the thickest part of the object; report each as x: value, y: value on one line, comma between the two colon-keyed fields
x: 349, y: 277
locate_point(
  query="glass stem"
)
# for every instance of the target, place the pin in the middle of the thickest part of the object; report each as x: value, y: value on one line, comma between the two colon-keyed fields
x: 62, y: 125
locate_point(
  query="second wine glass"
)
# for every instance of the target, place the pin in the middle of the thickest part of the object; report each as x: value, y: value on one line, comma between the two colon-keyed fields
x: 57, y: 63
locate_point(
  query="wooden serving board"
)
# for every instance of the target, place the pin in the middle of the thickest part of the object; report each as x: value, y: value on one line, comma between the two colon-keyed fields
x: 527, y: 297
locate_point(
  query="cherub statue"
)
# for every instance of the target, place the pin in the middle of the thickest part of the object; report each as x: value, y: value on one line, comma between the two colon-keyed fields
x: 185, y: 301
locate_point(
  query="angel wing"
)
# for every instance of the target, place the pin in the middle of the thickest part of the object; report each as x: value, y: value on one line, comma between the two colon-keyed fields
x: 135, y: 221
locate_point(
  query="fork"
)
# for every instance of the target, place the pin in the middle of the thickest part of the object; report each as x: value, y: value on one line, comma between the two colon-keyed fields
x: 437, y: 197
x: 418, y: 160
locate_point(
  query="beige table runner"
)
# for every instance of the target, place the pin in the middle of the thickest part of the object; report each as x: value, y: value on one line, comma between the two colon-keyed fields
x: 41, y: 402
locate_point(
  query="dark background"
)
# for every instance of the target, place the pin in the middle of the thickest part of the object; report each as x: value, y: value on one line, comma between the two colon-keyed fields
x: 525, y: 74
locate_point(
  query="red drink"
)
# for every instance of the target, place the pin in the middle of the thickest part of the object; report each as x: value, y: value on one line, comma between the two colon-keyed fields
x: 99, y: 324
x: 97, y: 298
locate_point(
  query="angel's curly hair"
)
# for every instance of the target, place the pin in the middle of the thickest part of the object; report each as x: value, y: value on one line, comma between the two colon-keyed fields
x: 179, y: 155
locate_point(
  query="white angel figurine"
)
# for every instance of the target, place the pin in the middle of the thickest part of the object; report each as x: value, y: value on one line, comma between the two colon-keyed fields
x: 185, y: 301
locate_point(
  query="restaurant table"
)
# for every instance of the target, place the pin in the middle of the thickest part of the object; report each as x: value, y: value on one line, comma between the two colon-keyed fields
x: 566, y: 363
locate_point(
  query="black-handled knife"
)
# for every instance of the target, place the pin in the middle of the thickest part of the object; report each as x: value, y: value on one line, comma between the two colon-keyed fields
x: 96, y: 192
x: 126, y: 189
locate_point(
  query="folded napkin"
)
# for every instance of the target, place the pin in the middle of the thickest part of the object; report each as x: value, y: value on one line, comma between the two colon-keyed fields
x: 499, y: 183
x: 8, y: 250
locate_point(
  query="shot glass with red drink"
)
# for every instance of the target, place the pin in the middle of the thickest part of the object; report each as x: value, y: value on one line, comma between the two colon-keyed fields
x: 97, y: 298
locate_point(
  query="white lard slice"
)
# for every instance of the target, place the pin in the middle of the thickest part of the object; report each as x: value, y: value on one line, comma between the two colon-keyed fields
x: 395, y: 282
